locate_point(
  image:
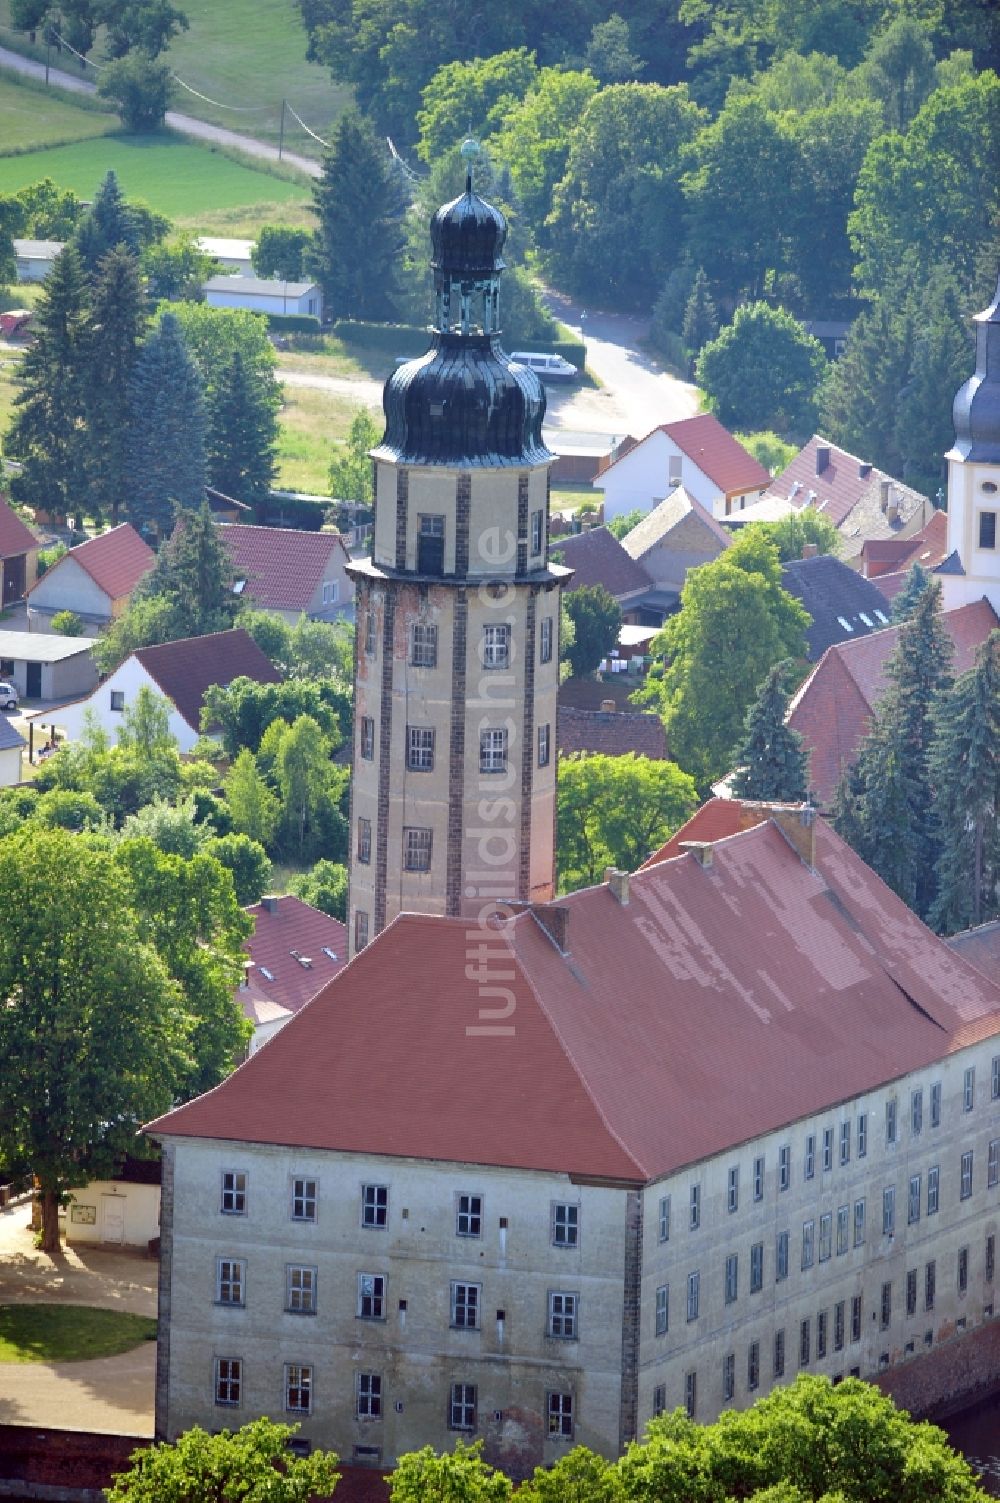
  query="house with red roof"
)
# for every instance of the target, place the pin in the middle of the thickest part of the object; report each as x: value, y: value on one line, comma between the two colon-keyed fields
x: 597, y: 558
x: 888, y: 561
x: 698, y: 453
x: 94, y: 580
x: 833, y: 708
x: 290, y: 572
x: 665, y: 1141
x: 294, y: 951
x: 18, y: 556
x: 180, y: 672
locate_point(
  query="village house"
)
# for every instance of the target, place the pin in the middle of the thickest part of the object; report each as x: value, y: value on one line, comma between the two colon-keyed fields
x: 677, y: 535
x: 841, y: 603
x: 47, y: 665
x: 233, y: 255
x: 290, y: 572
x: 579, y: 1210
x: 12, y: 745
x: 122, y: 1210
x: 596, y: 557
x: 610, y: 732
x: 833, y: 707
x: 294, y: 951
x: 179, y: 671
x: 888, y: 561
x: 698, y: 453
x: 35, y: 258
x: 263, y: 295
x: 94, y: 580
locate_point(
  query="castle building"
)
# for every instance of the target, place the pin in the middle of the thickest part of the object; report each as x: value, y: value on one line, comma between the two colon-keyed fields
x: 972, y: 568
x: 457, y: 667
x: 743, y: 1120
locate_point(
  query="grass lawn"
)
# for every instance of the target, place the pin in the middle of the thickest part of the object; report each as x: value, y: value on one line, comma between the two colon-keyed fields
x: 326, y: 355
x: 8, y: 369
x: 239, y: 53
x: 310, y: 421
x: 68, y: 1333
x: 170, y: 174
x: 36, y: 117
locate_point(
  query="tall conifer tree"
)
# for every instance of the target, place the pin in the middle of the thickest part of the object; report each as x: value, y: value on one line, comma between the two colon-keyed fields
x: 965, y: 767
x: 771, y: 762
x: 165, y: 462
x: 108, y: 223
x: 242, y: 434
x: 47, y: 434
x: 115, y: 328
x: 360, y: 235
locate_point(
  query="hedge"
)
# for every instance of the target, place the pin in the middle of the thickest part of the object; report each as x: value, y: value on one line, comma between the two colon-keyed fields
x: 294, y: 323
x: 292, y: 511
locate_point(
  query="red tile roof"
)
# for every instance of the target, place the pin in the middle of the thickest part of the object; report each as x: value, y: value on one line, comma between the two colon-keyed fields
x: 15, y: 536
x: 721, y: 1003
x: 611, y: 733
x: 839, y: 486
x: 281, y: 565
x: 716, y: 819
x: 980, y: 947
x: 714, y: 450
x: 832, y: 709
x: 115, y: 560
x: 288, y: 931
x: 184, y: 670
x: 928, y: 548
x: 717, y: 454
x: 598, y: 558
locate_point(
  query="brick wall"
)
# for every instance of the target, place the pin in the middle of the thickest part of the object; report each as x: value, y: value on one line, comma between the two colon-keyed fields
x: 951, y: 1375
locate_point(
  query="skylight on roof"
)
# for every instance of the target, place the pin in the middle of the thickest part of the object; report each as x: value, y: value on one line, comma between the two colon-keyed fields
x: 866, y: 619
x: 330, y: 954
x: 239, y: 585
x: 845, y: 623
x: 882, y: 616
x: 267, y: 975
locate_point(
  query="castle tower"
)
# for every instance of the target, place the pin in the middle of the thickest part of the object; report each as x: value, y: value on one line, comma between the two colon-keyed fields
x: 457, y: 658
x: 972, y: 569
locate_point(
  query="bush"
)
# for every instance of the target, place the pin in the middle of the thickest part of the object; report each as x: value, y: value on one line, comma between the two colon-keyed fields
x: 140, y: 90
x: 292, y: 511
x: 573, y: 350
x: 396, y: 339
x: 294, y: 323
x: 67, y: 623
x: 325, y: 887
x: 49, y: 556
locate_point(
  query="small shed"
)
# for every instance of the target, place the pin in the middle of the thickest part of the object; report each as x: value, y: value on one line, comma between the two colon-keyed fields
x: 232, y: 255
x: 124, y: 1210
x: 94, y: 580
x: 18, y: 556
x: 264, y: 295
x: 35, y: 258
x: 44, y: 665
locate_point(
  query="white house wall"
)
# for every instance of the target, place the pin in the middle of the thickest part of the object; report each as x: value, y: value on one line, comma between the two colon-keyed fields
x: 138, y: 1208
x: 127, y: 680
x: 308, y: 302
x: 10, y: 766
x: 643, y: 478
x: 68, y: 587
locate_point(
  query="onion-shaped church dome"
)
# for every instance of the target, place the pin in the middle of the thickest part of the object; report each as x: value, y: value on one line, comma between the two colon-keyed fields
x: 976, y: 409
x: 465, y: 402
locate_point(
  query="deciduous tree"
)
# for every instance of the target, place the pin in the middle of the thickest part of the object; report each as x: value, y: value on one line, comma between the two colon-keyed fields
x: 763, y: 371
x: 253, y: 1463
x: 324, y: 886
x: 597, y: 622
x: 254, y: 808
x: 615, y: 811
x: 93, y: 1033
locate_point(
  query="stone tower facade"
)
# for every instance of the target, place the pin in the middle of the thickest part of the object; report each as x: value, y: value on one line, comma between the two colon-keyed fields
x: 457, y: 659
x: 972, y: 569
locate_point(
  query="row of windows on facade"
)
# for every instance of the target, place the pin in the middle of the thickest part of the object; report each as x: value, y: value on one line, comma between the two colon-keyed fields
x: 374, y: 1207
x: 914, y: 1202
x: 370, y: 1397
x: 431, y: 539
x: 732, y: 1272
x: 840, y: 1337
x: 827, y: 1148
x: 493, y: 747
x: 562, y: 1320
x: 495, y: 644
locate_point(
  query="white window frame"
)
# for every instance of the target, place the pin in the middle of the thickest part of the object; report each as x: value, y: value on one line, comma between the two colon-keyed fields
x: 969, y: 1089
x: 545, y: 640
x: 234, y: 1191
x: 423, y: 645
x: 859, y: 1222
x: 732, y: 1279
x: 230, y: 1282
x: 565, y: 1224
x: 418, y: 844
x: 463, y: 1405
x: 845, y: 1143
x: 756, y: 1267
x: 889, y: 1211
x: 360, y: 929
x: 965, y: 1189
x: 420, y: 748
x: 300, y: 1289
x: 664, y: 1219
x: 375, y: 1206
x: 916, y: 1112
x: 862, y: 1135
x: 563, y: 1315
x: 544, y: 744
x: 662, y: 1316
x: 305, y: 1199
x: 364, y: 840
x: 913, y: 1199
x: 933, y: 1189
x: 368, y: 1396
x: 495, y: 646
x: 372, y: 1292
x: 468, y: 1214
x: 694, y: 1214
x: 733, y: 1188
x: 298, y: 1388
x: 559, y: 1409
x: 466, y: 1305
x: 936, y: 1104
x: 367, y: 738
x: 693, y: 1295
x: 493, y: 750
x: 228, y: 1381
x: 758, y: 1177
x: 784, y: 1167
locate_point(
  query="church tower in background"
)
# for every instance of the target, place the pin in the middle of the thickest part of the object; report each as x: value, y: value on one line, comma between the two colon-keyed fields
x: 457, y: 657
x: 972, y: 568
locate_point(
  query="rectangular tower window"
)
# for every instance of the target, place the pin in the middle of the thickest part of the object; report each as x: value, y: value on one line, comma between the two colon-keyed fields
x: 417, y: 849
x: 987, y: 529
x: 665, y: 1218
x: 364, y: 840
x: 728, y: 1375
x: 367, y: 737
x: 493, y: 751
x: 544, y: 732
x: 360, y: 929
x: 465, y: 1304
x: 663, y: 1309
x: 420, y: 748
x: 695, y: 1217
x: 779, y: 1354
x: 930, y: 1279
x: 430, y: 546
x: 753, y: 1366
x: 369, y: 1396
x: 694, y: 1293
x: 423, y: 646
x: 933, y: 1189
x: 966, y: 1175
x: 537, y: 530
x: 969, y: 1089
x: 374, y: 1205
x: 545, y: 640
x: 733, y: 1188
x: 845, y: 1142
x: 784, y: 1167
x: 496, y: 647
x: 228, y: 1380
x: 758, y: 1178
x: 462, y: 1407
x: 469, y: 1216
x: 916, y: 1112
x: 843, y: 1229
x: 936, y: 1104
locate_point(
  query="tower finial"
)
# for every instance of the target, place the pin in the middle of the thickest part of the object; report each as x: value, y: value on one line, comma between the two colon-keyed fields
x: 470, y: 151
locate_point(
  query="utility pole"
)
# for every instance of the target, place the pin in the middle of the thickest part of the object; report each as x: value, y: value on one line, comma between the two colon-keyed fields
x: 281, y: 131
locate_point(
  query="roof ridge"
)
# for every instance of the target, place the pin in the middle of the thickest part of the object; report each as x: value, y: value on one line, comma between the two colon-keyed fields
x: 564, y: 1047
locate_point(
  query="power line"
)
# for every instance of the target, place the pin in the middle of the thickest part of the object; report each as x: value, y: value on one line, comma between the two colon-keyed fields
x: 239, y: 109
x: 99, y: 67
x: 305, y: 127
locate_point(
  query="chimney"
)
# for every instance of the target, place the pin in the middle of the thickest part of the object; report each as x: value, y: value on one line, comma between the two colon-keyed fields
x: 822, y: 457
x: 884, y: 492
x: 892, y: 512
x: 810, y: 550
x: 609, y: 707
x: 701, y: 850
x: 617, y: 884
x: 864, y: 469
x: 269, y: 903
x: 554, y: 919
x: 797, y: 822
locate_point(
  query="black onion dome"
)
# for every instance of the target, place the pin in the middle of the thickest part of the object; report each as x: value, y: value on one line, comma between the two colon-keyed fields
x: 468, y: 235
x: 464, y: 403
x: 976, y: 409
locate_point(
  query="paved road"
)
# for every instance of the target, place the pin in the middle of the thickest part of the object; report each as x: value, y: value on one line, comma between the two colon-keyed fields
x: 186, y: 124
x: 110, y: 1394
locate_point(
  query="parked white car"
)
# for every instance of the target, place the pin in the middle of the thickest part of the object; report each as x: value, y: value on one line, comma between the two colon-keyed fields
x: 8, y: 695
x: 546, y: 367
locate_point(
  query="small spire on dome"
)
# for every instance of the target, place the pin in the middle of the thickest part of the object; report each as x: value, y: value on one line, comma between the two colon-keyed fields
x: 470, y: 150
